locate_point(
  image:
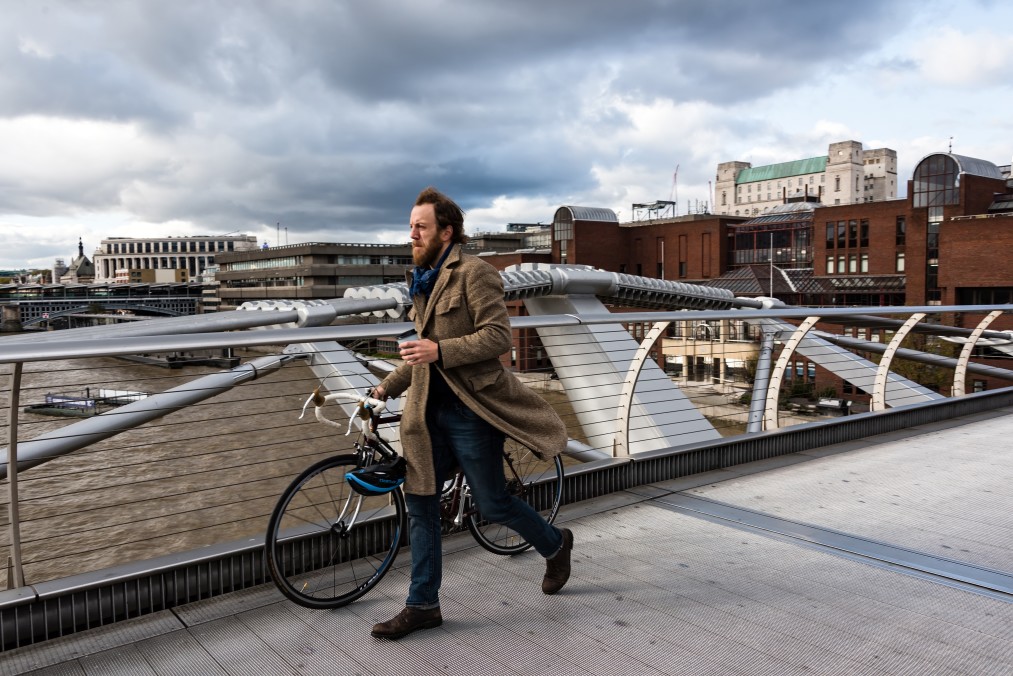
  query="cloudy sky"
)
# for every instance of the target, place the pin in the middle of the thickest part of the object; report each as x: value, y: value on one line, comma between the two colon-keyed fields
x: 321, y: 119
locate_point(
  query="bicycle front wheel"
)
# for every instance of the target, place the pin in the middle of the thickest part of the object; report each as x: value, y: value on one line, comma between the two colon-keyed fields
x: 327, y: 545
x: 535, y: 481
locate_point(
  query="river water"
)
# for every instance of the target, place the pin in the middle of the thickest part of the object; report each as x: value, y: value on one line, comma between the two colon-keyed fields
x: 208, y: 474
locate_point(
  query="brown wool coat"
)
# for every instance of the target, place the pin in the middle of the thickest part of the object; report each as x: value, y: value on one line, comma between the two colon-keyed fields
x: 467, y: 316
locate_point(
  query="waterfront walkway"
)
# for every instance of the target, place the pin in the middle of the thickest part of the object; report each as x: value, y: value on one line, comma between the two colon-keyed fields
x: 890, y: 555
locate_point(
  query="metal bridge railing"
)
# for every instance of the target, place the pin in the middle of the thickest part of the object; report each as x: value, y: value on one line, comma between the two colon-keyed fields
x: 197, y: 463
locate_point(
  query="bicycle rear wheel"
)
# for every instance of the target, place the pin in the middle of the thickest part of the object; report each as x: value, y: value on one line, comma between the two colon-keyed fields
x: 535, y: 481
x: 326, y: 545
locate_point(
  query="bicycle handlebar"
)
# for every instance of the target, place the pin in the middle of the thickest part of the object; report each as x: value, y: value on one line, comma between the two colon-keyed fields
x: 365, y: 410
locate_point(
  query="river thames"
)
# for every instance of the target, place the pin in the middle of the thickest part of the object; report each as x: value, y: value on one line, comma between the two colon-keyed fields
x: 208, y: 474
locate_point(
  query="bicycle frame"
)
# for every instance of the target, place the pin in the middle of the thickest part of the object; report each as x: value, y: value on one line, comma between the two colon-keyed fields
x: 327, y: 544
x: 453, y: 500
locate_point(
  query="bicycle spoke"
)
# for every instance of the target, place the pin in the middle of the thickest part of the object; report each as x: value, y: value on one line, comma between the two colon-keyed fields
x: 538, y: 483
x: 321, y: 556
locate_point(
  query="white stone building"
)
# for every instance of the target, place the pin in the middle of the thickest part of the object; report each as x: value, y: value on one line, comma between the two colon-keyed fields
x: 847, y: 174
x: 117, y: 256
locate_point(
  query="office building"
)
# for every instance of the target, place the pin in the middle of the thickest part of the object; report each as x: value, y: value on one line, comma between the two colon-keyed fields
x: 117, y: 256
x: 847, y: 174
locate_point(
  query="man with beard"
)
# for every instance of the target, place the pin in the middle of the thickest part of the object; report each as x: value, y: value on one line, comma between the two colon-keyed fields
x: 460, y: 406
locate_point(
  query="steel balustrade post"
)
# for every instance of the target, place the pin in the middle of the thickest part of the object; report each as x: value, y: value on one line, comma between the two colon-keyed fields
x: 722, y: 340
x: 883, y: 372
x: 960, y: 373
x: 18, y: 575
x: 621, y: 445
x: 770, y: 404
x: 760, y: 380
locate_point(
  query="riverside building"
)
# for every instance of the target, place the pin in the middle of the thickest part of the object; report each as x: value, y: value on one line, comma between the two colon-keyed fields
x: 945, y: 243
x: 117, y: 257
x: 847, y: 174
x: 322, y: 270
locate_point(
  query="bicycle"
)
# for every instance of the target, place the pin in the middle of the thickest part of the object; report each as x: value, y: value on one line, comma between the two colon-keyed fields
x: 328, y: 545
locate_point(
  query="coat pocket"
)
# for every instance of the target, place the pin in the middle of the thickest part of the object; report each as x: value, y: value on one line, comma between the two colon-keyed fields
x: 480, y: 381
x: 449, y: 304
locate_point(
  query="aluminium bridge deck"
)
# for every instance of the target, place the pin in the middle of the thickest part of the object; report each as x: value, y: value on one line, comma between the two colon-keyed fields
x: 891, y: 555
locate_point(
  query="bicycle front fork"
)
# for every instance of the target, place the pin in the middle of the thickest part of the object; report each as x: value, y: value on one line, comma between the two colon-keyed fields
x: 339, y: 527
x: 453, y: 500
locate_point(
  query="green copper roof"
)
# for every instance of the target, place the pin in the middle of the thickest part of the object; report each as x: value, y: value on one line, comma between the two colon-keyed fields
x: 813, y: 165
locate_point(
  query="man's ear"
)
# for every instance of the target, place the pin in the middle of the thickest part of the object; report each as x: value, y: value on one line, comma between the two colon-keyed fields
x: 446, y: 233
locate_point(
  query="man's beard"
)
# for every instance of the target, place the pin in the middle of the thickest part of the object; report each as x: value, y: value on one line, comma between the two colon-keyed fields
x: 424, y: 256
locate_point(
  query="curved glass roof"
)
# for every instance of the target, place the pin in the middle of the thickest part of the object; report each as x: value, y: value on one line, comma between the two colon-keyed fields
x: 969, y: 165
x: 592, y: 214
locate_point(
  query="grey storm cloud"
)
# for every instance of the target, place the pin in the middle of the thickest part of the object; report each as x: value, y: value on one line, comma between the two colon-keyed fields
x: 336, y: 113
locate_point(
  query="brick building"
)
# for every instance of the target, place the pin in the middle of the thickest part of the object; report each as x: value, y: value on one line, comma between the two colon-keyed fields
x: 948, y: 242
x: 684, y: 248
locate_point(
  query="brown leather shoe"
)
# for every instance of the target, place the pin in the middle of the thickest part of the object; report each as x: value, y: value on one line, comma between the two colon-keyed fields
x: 408, y: 620
x: 557, y: 568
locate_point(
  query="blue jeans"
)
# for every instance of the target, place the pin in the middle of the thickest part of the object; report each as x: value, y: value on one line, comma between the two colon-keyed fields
x: 461, y: 438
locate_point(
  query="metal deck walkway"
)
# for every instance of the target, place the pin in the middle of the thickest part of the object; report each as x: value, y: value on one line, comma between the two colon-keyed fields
x: 891, y: 555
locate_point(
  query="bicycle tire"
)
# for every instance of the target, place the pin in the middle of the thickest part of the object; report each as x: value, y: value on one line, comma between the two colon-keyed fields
x: 541, y: 486
x: 313, y: 558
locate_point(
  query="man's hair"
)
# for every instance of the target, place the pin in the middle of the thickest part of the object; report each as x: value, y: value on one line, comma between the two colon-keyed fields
x: 447, y: 212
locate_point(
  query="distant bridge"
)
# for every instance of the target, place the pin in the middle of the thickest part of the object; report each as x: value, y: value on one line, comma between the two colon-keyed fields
x: 29, y: 306
x: 36, y: 312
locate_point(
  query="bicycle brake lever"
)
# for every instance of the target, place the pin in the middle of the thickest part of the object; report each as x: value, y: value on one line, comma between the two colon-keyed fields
x: 316, y: 398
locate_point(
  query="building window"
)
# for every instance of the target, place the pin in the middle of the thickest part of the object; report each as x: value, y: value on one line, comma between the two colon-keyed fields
x: 682, y: 268
x: 562, y: 226
x: 901, y: 230
x: 935, y: 182
x: 841, y: 233
x: 932, y: 241
x: 997, y: 295
x: 978, y: 386
x: 830, y: 265
x: 864, y: 265
x: 852, y: 234
x: 840, y: 264
x: 932, y: 282
x: 837, y: 183
x: 853, y: 263
x: 831, y: 234
x: 863, y: 232
x: 900, y: 262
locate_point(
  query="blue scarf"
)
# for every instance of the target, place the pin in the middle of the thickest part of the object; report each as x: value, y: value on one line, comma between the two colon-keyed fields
x: 424, y: 280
